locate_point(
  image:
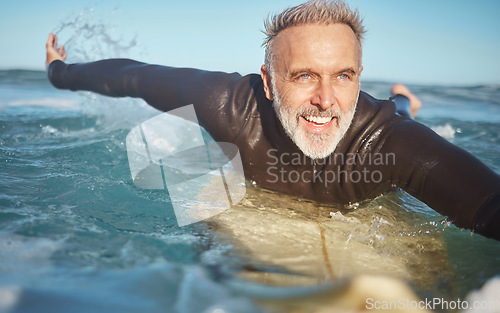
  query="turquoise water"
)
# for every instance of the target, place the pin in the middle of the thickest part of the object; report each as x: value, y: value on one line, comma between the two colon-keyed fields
x: 76, y: 233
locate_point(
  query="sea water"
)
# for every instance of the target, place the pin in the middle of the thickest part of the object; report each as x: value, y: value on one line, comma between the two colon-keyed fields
x: 77, y: 235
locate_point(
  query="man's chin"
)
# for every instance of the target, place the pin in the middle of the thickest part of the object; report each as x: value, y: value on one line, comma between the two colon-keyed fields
x: 316, y: 151
x: 317, y: 145
x: 319, y: 156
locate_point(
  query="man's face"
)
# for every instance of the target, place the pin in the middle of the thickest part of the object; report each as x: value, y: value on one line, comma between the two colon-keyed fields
x: 315, y: 84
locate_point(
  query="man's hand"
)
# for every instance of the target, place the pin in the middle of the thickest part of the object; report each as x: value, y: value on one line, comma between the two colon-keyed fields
x: 53, y: 52
x: 415, y: 102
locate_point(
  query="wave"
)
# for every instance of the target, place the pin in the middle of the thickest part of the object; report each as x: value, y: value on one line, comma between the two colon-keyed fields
x: 55, y: 103
x: 23, y: 77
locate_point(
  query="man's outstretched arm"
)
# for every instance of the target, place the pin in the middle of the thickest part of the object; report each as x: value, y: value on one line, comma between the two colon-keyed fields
x: 213, y: 94
x: 163, y: 87
x: 447, y: 178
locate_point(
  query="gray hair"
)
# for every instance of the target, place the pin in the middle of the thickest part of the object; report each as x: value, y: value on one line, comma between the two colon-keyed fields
x: 322, y: 12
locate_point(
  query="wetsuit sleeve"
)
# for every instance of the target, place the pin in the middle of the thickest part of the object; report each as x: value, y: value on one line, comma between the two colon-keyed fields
x: 164, y: 88
x: 402, y: 105
x: 447, y: 178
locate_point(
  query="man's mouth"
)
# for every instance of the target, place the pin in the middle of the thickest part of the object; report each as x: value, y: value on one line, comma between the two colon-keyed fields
x: 317, y: 120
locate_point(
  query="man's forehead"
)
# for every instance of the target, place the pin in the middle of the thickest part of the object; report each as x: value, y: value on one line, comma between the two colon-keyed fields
x: 320, y: 43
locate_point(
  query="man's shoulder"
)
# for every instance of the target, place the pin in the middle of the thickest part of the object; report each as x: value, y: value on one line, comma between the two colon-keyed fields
x: 372, y: 112
x: 377, y: 122
x: 374, y: 122
x: 368, y: 104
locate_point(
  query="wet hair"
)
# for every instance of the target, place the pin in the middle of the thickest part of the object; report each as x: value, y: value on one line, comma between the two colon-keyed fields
x: 321, y: 12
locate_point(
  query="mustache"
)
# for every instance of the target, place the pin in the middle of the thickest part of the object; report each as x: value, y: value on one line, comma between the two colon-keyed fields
x: 313, y: 110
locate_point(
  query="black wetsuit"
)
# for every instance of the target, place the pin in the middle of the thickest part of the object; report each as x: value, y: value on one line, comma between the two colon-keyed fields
x: 380, y: 151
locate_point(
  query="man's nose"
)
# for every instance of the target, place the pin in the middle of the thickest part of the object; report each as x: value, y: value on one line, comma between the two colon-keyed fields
x: 324, y: 95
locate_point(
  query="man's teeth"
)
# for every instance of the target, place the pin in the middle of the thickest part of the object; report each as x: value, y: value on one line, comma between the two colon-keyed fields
x: 317, y: 119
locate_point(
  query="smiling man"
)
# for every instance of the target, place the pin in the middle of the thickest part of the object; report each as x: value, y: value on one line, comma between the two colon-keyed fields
x: 314, y: 84
x: 303, y: 126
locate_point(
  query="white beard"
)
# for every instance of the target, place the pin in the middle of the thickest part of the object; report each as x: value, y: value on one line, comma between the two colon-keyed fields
x: 315, y: 146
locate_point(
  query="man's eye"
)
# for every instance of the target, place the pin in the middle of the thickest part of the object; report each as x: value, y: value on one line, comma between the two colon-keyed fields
x: 304, y: 76
x: 343, y: 76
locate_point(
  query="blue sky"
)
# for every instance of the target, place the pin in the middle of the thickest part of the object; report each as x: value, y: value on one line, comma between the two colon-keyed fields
x: 446, y: 42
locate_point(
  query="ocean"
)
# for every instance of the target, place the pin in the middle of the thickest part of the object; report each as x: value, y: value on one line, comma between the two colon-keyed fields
x: 76, y: 235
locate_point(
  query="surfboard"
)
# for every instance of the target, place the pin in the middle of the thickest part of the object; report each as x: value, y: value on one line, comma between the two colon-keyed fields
x: 313, y: 242
x: 290, y: 242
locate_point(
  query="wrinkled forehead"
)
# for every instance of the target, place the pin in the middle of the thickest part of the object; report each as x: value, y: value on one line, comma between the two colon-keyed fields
x: 322, y: 43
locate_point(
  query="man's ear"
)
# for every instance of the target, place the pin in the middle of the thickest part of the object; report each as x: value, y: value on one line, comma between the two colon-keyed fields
x: 266, y: 78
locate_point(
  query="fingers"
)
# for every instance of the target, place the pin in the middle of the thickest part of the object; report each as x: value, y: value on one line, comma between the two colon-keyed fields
x: 50, y: 40
x: 54, y: 52
x: 62, y: 52
x: 400, y: 89
x: 52, y: 43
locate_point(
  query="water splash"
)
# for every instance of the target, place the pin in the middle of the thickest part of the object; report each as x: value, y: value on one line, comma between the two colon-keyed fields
x: 90, y: 35
x: 446, y: 131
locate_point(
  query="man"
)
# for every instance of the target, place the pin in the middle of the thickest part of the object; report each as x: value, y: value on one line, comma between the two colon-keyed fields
x: 303, y: 126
